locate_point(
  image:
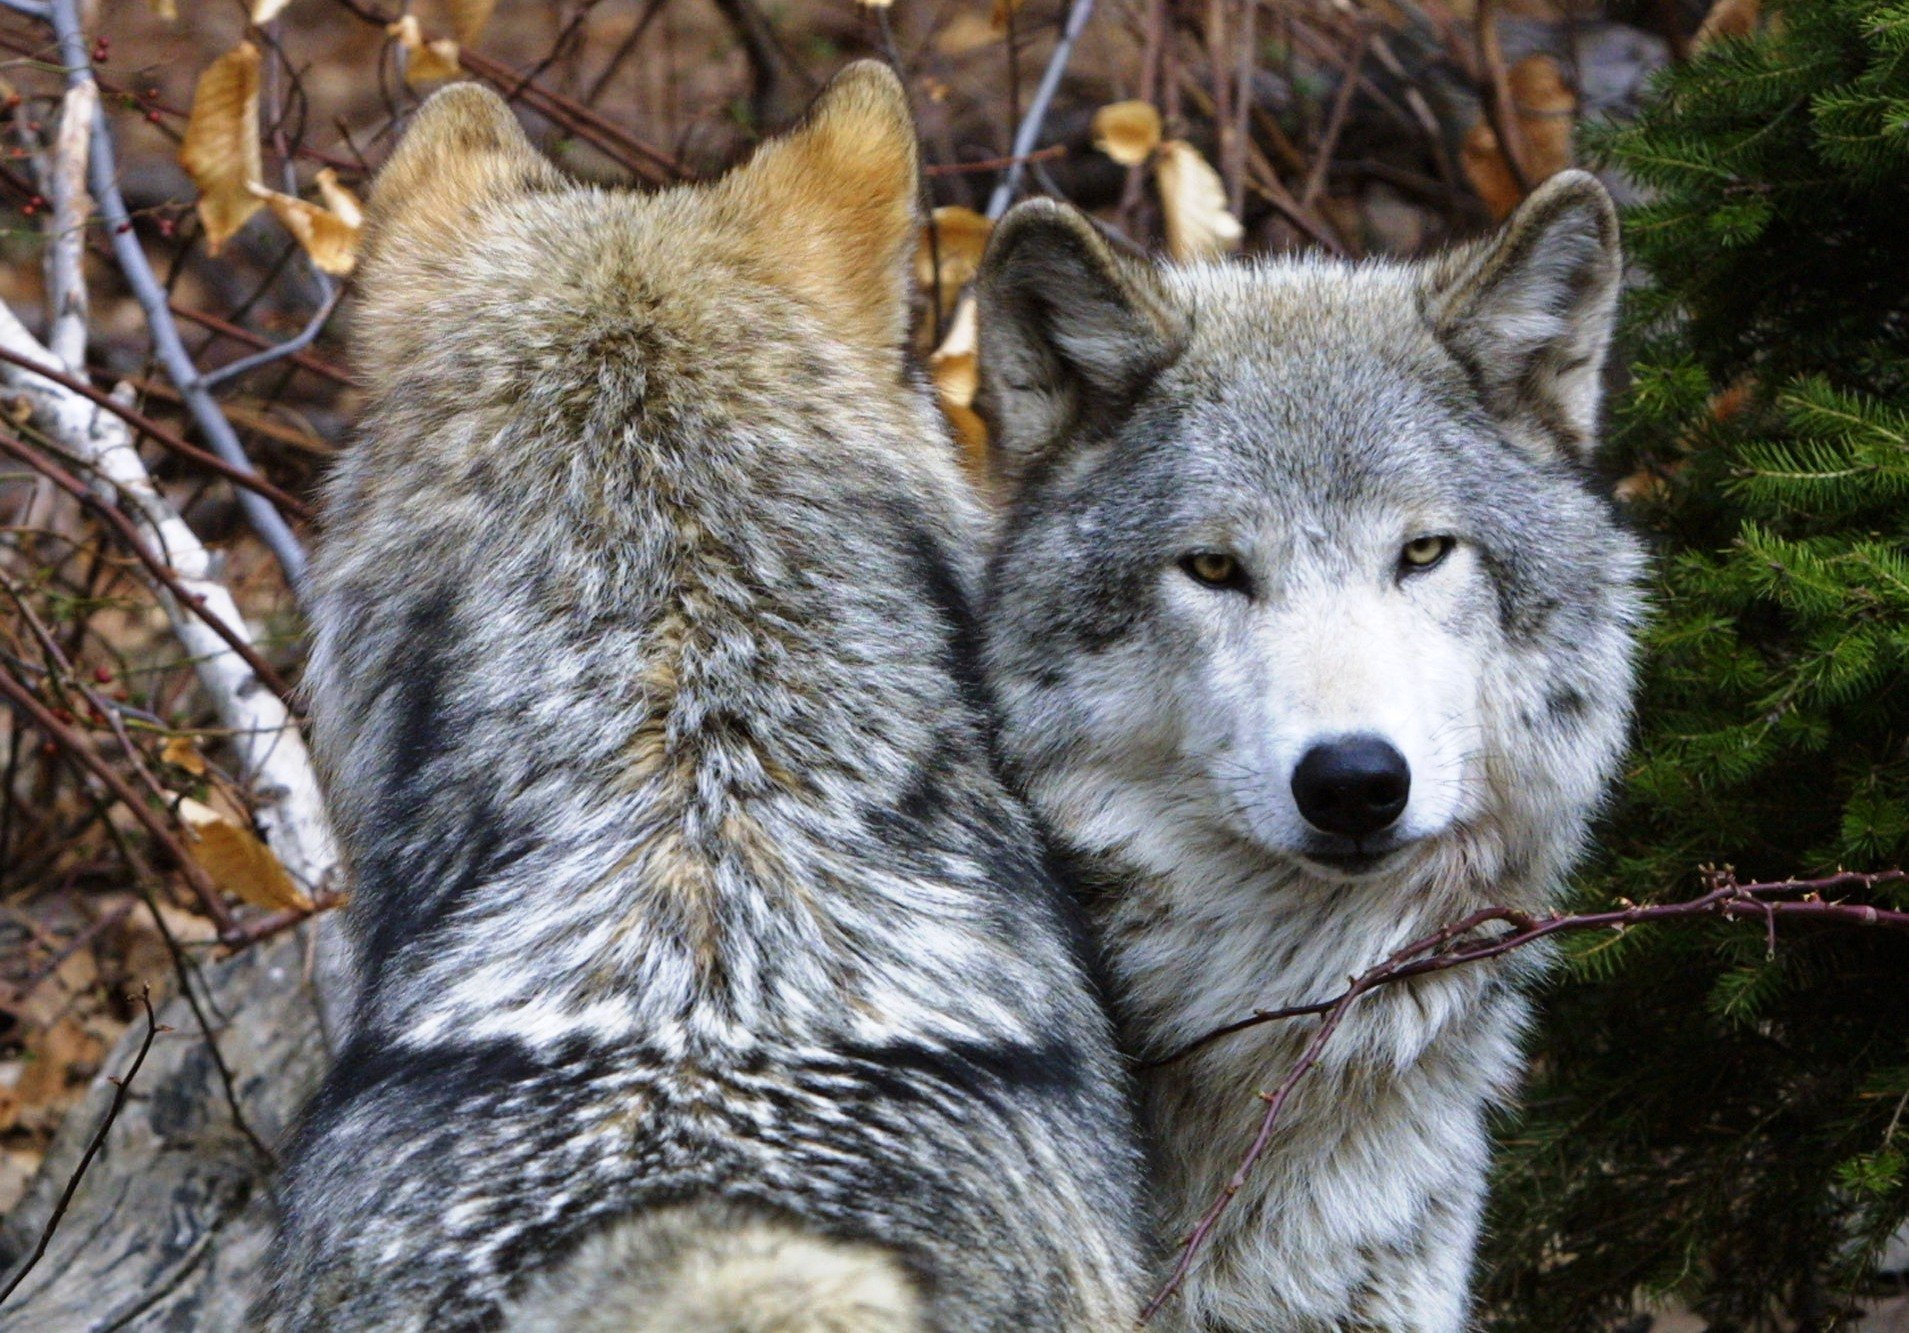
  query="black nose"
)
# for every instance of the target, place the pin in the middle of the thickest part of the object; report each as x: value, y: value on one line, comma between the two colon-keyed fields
x: 1354, y: 786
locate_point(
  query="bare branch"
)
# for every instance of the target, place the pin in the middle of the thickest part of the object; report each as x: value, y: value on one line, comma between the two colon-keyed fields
x: 66, y: 228
x: 121, y: 1085
x: 1456, y: 945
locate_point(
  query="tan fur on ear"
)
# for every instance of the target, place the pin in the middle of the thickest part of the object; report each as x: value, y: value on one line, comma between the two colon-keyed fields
x: 833, y: 205
x: 463, y: 151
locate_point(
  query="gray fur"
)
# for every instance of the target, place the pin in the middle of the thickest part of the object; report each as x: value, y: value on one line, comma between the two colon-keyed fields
x: 704, y: 955
x: 1310, y: 418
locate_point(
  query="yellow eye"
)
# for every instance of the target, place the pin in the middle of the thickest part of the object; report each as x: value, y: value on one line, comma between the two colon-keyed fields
x: 1216, y: 569
x: 1424, y: 552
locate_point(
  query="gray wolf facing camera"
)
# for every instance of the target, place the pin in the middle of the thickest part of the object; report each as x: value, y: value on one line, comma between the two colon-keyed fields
x: 1311, y: 635
x: 711, y: 980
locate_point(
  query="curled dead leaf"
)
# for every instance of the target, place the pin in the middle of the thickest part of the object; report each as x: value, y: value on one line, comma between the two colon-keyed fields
x: 953, y: 368
x: 340, y: 200
x: 330, y: 240
x: 221, y: 147
x: 236, y: 861
x: 1193, y: 204
x: 1128, y: 132
x: 960, y: 235
x: 424, y: 62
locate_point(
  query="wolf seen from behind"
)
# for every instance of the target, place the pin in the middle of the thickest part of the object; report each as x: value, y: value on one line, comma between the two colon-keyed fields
x: 711, y: 980
x: 1311, y: 635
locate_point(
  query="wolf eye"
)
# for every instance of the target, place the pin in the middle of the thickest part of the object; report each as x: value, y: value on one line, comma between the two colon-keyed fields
x: 1215, y: 569
x: 1421, y: 553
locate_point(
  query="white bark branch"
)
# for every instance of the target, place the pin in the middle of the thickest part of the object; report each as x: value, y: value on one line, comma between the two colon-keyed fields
x: 66, y: 228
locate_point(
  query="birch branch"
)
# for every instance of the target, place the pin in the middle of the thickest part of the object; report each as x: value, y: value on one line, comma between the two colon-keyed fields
x: 272, y: 757
x: 66, y: 234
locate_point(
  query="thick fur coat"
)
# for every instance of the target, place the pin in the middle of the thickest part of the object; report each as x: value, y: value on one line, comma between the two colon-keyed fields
x: 1264, y: 517
x: 711, y: 980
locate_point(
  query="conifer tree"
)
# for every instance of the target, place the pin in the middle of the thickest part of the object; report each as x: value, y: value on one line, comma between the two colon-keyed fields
x: 1710, y: 1116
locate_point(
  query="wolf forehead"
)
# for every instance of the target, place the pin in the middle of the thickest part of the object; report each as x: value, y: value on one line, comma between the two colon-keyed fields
x: 1313, y: 397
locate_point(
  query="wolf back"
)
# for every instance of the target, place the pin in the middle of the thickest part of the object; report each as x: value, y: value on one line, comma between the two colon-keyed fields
x: 1311, y: 636
x: 710, y: 978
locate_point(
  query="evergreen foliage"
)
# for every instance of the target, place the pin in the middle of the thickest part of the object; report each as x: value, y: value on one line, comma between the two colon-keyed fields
x: 1708, y: 1117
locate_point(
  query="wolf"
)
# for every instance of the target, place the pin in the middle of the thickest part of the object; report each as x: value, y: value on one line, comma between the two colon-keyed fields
x: 1310, y: 633
x: 711, y: 978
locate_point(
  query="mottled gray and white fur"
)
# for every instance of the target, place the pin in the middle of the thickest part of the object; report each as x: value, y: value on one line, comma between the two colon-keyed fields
x: 711, y: 980
x: 1311, y: 634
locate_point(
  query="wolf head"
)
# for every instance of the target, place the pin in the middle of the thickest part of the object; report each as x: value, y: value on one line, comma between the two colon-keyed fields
x: 467, y: 215
x: 1302, y: 558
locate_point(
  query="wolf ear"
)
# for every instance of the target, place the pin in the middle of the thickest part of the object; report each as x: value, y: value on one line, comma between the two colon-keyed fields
x: 1529, y: 312
x: 831, y: 205
x: 1070, y: 332
x: 464, y: 150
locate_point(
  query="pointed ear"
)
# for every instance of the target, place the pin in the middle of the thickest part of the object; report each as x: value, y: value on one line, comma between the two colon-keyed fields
x: 1529, y: 312
x: 831, y: 205
x: 1070, y: 332
x: 464, y: 150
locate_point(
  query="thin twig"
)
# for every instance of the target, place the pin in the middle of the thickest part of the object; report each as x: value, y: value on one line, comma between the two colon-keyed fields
x: 1433, y: 953
x: 1030, y: 129
x: 69, y: 740
x: 103, y: 171
x: 128, y: 534
x: 120, y: 1086
x: 146, y: 426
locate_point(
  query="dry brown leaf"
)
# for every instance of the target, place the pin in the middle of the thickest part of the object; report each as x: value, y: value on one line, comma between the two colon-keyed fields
x: 264, y: 11
x: 340, y: 200
x: 1128, y: 132
x: 221, y: 147
x: 1002, y: 12
x: 468, y: 18
x: 183, y: 752
x: 953, y: 370
x: 1727, y: 18
x: 1193, y: 204
x: 1546, y: 111
x: 236, y: 861
x: 330, y: 240
x: 425, y: 62
x: 960, y: 236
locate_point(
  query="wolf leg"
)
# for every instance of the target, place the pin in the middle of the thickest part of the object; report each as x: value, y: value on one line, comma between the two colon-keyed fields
x: 715, y: 1268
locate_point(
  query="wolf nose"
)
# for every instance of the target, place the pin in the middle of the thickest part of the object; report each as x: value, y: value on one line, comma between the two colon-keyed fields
x: 1354, y: 787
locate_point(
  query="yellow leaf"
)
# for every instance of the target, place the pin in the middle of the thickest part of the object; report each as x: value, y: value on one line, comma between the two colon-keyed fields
x: 264, y: 11
x: 183, y: 752
x: 236, y: 861
x: 1193, y: 204
x: 1128, y: 132
x: 330, y: 240
x: 221, y: 148
x: 468, y: 18
x: 340, y: 200
x: 952, y: 367
x: 425, y: 62
x: 960, y: 235
x: 164, y: 9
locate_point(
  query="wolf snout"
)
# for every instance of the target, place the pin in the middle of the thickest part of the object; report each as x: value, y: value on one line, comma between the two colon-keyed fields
x: 1354, y: 786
